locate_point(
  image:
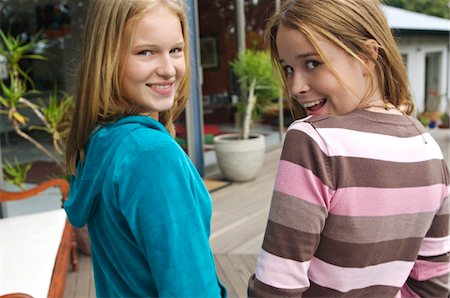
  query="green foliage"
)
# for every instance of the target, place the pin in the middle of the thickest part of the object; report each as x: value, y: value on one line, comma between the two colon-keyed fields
x: 16, y: 173
x: 256, y: 65
x: 209, y: 139
x: 53, y: 116
x: 437, y: 8
x: 55, y: 111
x: 11, y: 94
x: 15, y: 49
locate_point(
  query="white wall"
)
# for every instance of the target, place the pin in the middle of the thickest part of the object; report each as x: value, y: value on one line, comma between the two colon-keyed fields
x: 416, y: 48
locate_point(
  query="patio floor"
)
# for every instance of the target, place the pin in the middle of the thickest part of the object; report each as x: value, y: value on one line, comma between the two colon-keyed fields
x: 239, y: 219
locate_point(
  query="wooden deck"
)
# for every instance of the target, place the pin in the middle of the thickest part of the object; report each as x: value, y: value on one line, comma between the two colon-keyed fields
x: 239, y: 219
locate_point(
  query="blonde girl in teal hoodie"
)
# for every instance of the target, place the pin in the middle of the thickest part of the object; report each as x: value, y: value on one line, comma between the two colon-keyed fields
x: 145, y: 205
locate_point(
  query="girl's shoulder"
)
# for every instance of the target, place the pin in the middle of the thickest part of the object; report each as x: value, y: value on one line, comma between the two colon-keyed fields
x: 133, y: 133
x: 144, y: 138
x: 314, y: 122
x: 360, y: 120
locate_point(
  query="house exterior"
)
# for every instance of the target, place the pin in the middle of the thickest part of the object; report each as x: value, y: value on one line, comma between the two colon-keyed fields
x: 424, y: 43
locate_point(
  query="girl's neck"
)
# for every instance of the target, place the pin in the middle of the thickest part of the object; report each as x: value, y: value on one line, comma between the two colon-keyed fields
x: 154, y: 115
x: 382, y: 106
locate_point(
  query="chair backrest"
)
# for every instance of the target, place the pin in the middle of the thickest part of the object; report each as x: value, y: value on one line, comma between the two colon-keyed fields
x: 63, y: 185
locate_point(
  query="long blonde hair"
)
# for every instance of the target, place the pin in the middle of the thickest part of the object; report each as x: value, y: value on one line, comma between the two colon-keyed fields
x: 97, y: 92
x: 347, y: 24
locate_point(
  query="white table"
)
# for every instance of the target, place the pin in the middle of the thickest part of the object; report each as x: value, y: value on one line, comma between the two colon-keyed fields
x: 29, y: 245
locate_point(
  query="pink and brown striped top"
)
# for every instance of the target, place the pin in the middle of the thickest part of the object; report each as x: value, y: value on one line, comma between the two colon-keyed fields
x: 360, y: 208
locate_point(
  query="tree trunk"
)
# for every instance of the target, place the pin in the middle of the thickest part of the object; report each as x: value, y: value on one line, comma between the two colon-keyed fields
x: 249, y: 111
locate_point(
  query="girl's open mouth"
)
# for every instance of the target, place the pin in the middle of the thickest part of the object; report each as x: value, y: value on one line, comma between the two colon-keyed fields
x: 316, y: 105
x: 162, y: 89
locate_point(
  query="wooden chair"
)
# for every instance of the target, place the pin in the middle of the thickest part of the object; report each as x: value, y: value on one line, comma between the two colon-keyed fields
x: 67, y: 252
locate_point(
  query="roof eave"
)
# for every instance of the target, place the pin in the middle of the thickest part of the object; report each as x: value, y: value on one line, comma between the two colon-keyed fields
x: 421, y: 32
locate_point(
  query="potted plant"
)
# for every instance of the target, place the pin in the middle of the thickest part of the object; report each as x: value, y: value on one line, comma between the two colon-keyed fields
x: 240, y: 156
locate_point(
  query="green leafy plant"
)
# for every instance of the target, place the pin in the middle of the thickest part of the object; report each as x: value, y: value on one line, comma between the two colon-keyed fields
x: 55, y: 118
x: 16, y: 92
x: 16, y: 173
x: 254, y: 71
x: 17, y: 48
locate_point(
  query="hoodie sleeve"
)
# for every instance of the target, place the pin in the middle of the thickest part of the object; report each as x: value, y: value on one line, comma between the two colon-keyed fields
x: 168, y: 210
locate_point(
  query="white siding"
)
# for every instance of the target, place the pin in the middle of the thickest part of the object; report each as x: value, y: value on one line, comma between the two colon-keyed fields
x: 416, y: 48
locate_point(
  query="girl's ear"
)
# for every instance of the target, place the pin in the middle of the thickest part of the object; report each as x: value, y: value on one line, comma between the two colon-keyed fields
x: 373, y: 46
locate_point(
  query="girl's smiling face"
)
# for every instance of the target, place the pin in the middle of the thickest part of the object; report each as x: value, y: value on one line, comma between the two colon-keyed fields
x: 155, y: 64
x: 312, y: 83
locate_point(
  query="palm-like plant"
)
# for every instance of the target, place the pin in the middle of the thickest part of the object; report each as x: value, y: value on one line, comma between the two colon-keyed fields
x: 55, y: 114
x: 14, y: 95
x: 15, y: 49
x: 17, y: 173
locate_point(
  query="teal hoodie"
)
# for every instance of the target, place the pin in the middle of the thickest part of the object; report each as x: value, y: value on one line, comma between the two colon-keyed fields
x: 148, y: 214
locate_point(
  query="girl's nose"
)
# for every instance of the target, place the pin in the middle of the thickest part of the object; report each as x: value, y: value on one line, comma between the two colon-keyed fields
x: 299, y: 84
x: 166, y: 67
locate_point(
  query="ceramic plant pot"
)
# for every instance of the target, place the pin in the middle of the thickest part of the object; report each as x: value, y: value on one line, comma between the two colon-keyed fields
x: 240, y: 160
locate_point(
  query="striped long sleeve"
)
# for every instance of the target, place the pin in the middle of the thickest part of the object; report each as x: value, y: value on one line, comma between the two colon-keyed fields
x: 430, y: 274
x: 359, y: 208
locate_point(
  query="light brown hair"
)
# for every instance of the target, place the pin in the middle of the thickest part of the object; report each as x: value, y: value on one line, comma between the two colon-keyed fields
x: 347, y: 24
x: 97, y: 92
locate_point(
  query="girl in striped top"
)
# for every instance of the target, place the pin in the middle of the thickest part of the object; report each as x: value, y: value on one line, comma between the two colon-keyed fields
x: 360, y: 205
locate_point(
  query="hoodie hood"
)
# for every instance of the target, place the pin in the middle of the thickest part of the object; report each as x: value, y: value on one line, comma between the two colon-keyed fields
x: 86, y: 186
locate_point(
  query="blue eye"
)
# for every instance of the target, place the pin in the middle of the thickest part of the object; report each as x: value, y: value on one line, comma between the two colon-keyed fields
x: 312, y: 64
x: 145, y: 53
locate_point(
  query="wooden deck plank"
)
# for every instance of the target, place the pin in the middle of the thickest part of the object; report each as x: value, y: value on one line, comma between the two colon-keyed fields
x: 240, y: 211
x: 233, y: 236
x: 236, y: 287
x: 92, y: 286
x: 241, y: 268
x: 250, y: 262
x: 84, y: 276
x: 80, y: 283
x: 71, y: 283
x: 238, y: 269
x: 221, y: 274
x: 250, y: 246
